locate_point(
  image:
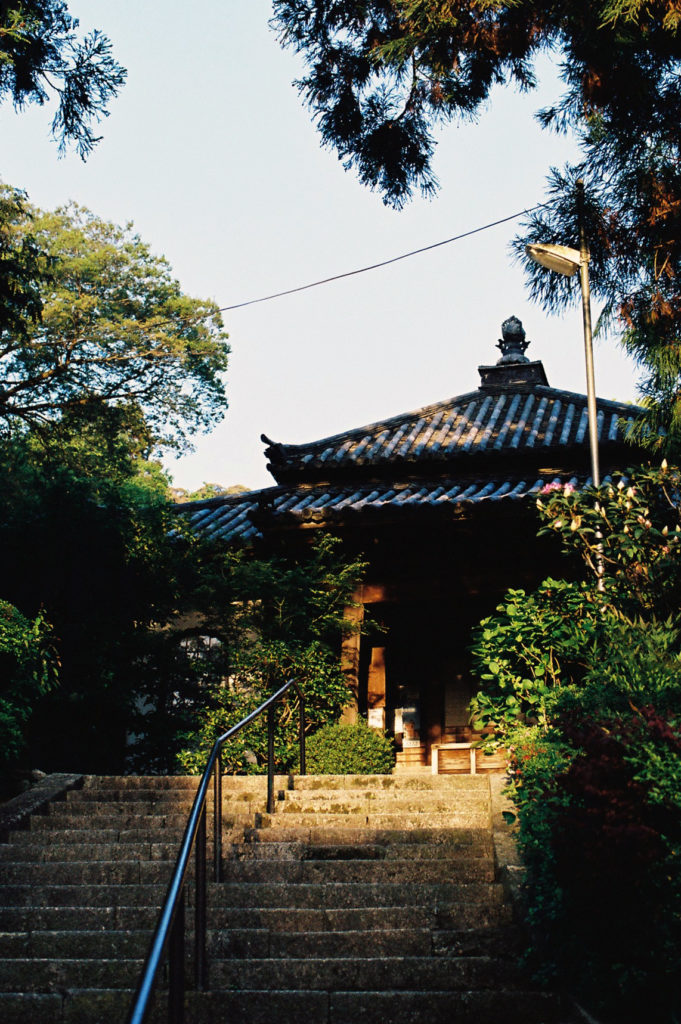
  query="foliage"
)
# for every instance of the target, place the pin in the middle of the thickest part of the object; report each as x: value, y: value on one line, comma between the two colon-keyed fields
x: 24, y: 268
x: 42, y: 56
x: 343, y: 748
x: 632, y: 217
x: 600, y: 824
x: 115, y: 326
x: 28, y: 669
x: 263, y: 620
x: 90, y: 545
x: 542, y: 648
x: 584, y: 684
x: 382, y: 75
x: 535, y: 645
x: 256, y: 672
x: 206, y: 491
x: 634, y: 526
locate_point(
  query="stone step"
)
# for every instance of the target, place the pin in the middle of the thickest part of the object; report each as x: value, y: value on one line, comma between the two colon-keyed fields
x: 123, y: 872
x: 291, y: 1007
x: 340, y: 835
x: 257, y: 894
x: 267, y: 945
x: 390, y: 782
x: 422, y: 792
x: 378, y: 871
x: 69, y: 895
x: 178, y: 782
x: 81, y: 944
x: 113, y: 794
x: 51, y: 850
x: 456, y: 818
x: 44, y: 837
x: 407, y: 940
x: 79, y: 818
x: 140, y: 808
x: 297, y: 850
x: 53, y: 973
x: 352, y: 894
x: 380, y: 803
x: 377, y: 973
x: 166, y: 797
x: 97, y: 872
x: 465, y: 923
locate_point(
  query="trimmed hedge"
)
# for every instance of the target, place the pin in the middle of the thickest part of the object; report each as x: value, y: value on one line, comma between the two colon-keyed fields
x: 349, y: 749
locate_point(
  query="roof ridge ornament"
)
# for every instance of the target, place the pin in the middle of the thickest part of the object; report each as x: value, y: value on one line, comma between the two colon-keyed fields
x: 512, y: 342
x: 514, y: 371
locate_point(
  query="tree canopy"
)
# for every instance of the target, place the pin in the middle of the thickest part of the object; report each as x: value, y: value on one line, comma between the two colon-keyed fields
x: 92, y: 314
x: 382, y: 75
x: 43, y: 57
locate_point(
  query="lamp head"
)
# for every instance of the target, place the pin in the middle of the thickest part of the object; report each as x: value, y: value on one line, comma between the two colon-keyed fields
x: 560, y: 258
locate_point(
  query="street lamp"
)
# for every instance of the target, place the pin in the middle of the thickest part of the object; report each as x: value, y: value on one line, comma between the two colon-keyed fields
x: 566, y: 261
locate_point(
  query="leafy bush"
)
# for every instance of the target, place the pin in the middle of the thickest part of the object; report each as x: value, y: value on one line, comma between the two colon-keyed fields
x: 582, y: 682
x: 344, y: 748
x: 257, y: 673
x: 600, y: 828
x: 28, y: 669
x: 274, y: 619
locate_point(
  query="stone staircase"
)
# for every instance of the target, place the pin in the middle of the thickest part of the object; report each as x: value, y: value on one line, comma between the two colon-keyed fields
x: 362, y: 899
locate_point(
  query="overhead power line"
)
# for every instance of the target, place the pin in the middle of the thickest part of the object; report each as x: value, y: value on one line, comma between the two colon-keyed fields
x: 349, y: 273
x: 383, y: 263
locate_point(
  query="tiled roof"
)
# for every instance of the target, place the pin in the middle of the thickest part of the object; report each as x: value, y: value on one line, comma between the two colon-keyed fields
x: 486, y: 422
x: 501, y: 443
x: 239, y: 517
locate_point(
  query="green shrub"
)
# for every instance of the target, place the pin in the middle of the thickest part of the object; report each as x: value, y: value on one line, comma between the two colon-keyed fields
x: 349, y: 749
x: 28, y: 669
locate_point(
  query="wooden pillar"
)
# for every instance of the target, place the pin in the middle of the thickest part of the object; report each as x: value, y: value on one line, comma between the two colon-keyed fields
x: 376, y: 688
x: 353, y: 615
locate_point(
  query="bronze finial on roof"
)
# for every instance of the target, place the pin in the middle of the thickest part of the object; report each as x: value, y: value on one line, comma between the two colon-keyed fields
x: 514, y: 369
x: 512, y: 342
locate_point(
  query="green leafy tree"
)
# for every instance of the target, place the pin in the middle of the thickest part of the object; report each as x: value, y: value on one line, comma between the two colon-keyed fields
x: 23, y: 268
x: 28, y: 670
x: 85, y: 530
x: 545, y: 650
x: 115, y: 327
x: 274, y: 617
x: 42, y: 57
x: 583, y: 682
x: 206, y: 491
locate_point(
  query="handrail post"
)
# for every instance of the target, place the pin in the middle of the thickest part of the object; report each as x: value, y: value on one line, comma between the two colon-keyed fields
x: 169, y: 934
x: 176, y: 966
x: 217, y: 819
x: 270, y: 759
x: 200, y: 963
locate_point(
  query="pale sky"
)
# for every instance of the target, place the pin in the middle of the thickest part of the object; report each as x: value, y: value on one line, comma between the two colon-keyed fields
x: 210, y: 152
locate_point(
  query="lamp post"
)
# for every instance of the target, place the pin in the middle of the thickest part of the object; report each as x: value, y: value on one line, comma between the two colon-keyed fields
x: 566, y: 261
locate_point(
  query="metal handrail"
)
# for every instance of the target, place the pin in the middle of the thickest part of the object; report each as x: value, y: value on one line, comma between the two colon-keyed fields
x: 169, y: 931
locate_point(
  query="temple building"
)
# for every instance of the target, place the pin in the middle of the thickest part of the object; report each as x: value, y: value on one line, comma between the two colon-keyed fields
x: 441, y: 503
